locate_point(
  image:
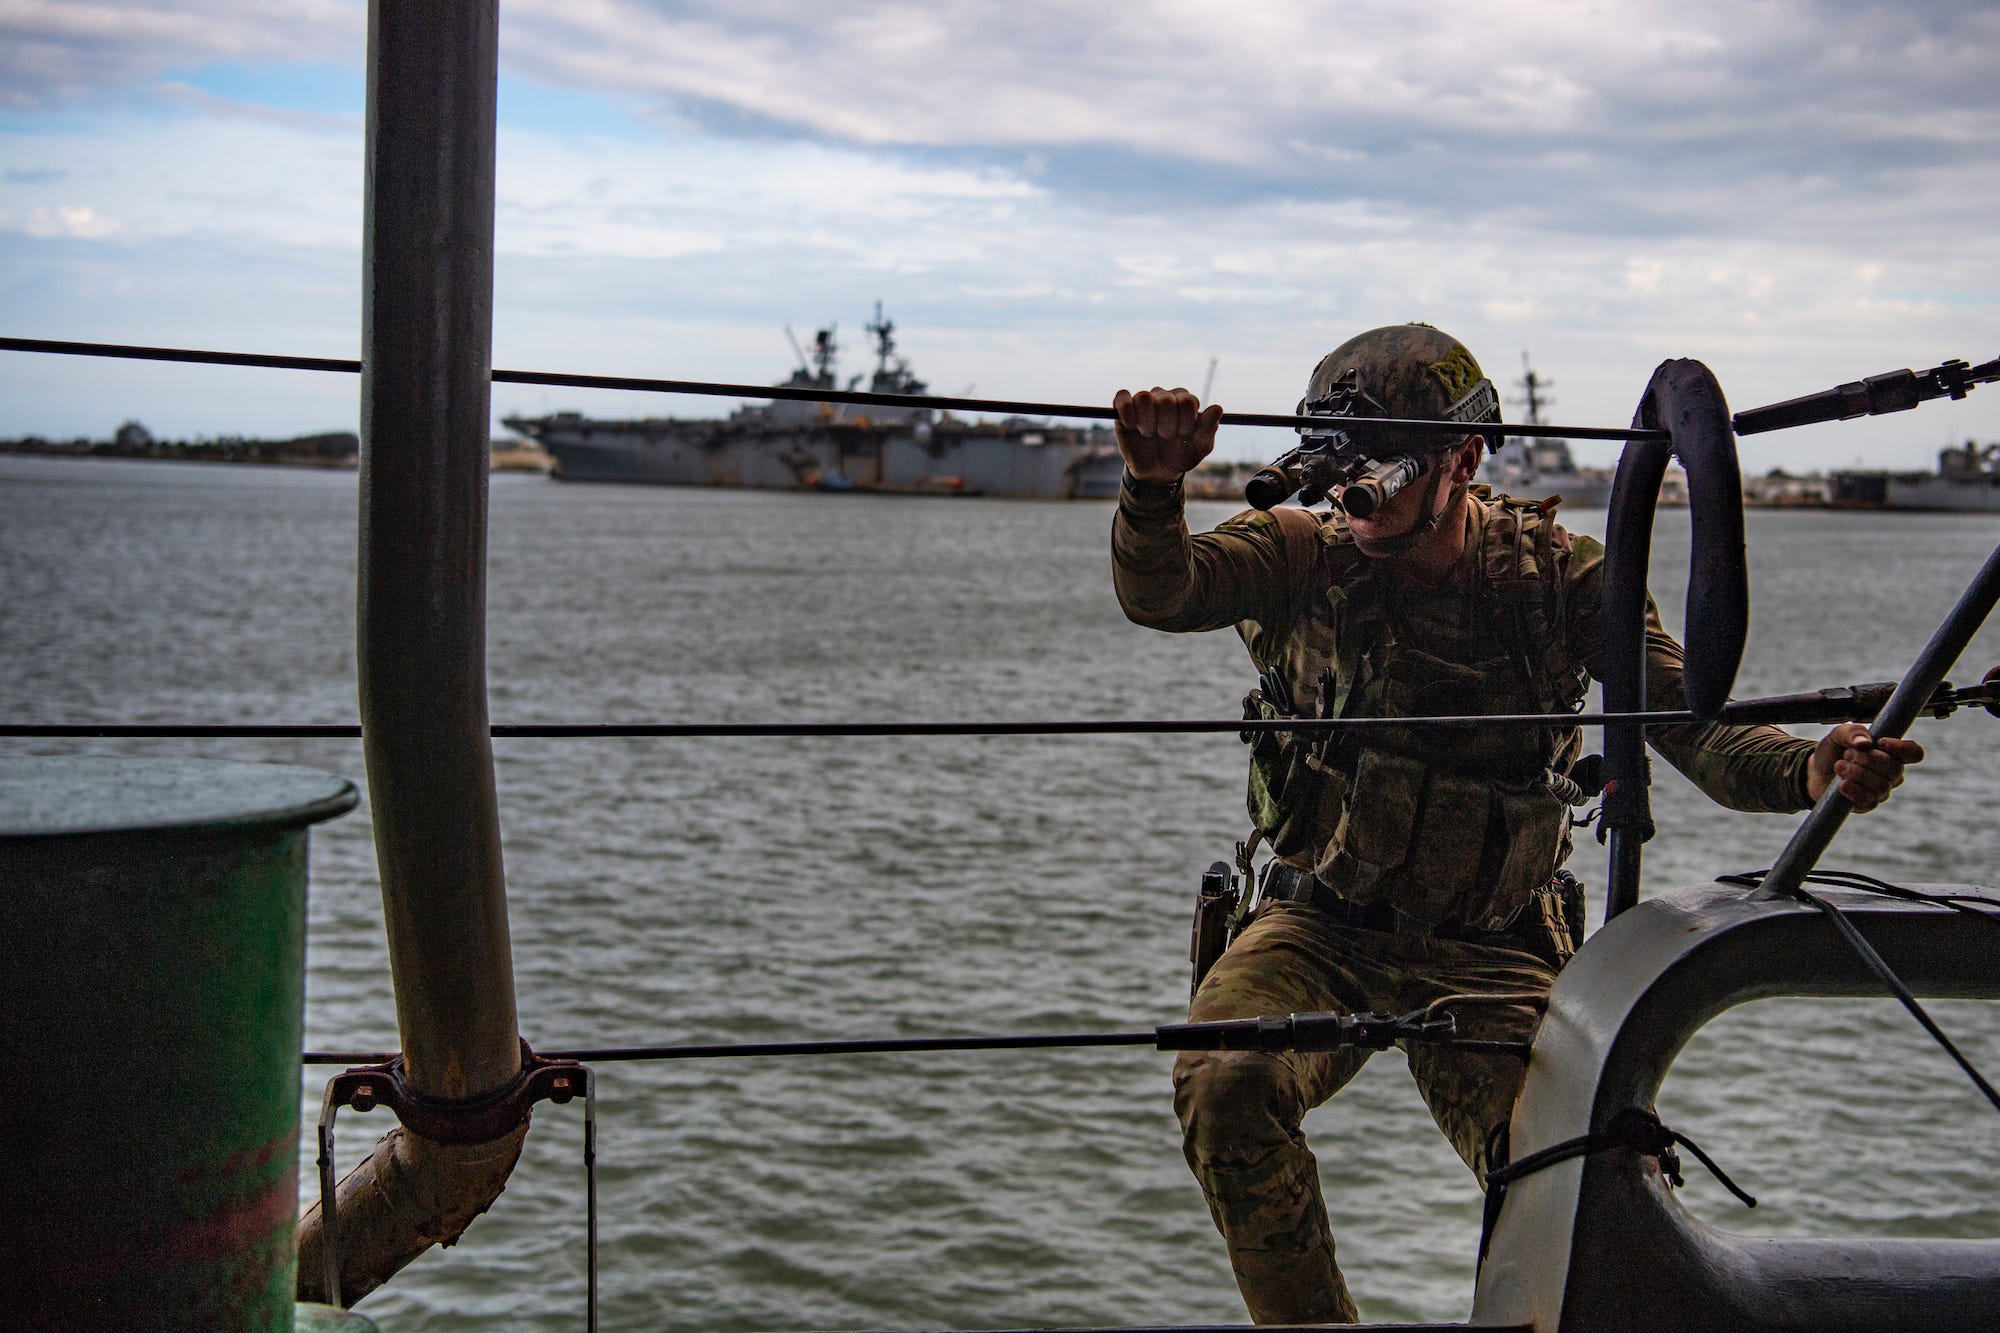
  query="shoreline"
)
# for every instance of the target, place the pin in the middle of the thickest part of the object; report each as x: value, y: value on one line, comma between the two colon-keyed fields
x: 338, y: 451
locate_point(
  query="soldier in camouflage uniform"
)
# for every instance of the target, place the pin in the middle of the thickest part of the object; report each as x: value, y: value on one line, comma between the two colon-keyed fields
x: 1411, y: 864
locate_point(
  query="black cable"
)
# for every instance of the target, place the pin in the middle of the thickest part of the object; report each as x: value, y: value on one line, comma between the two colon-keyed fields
x: 874, y: 1046
x: 1744, y: 1196
x: 1970, y: 904
x: 1634, y: 1129
x: 1879, y: 965
x: 669, y: 730
x: 864, y: 1046
x: 1301, y: 1031
x: 1881, y: 969
x: 807, y: 394
x: 126, y: 352
x: 1837, y: 704
x: 1967, y: 904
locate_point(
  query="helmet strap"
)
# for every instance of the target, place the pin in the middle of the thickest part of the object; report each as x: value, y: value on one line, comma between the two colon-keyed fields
x: 1432, y: 515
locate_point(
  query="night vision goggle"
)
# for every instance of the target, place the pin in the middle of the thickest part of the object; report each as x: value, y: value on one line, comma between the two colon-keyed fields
x: 1362, y: 469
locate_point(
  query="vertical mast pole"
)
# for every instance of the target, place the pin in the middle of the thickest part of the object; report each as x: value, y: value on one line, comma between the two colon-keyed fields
x: 426, y: 347
x: 427, y: 337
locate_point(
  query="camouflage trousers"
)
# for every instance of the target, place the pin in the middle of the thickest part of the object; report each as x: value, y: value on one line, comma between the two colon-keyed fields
x: 1240, y: 1110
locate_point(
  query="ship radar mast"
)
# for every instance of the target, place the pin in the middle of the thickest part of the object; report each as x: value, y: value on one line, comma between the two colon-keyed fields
x: 892, y: 373
x: 1525, y: 460
x: 885, y: 342
x: 825, y: 350
x: 1534, y: 392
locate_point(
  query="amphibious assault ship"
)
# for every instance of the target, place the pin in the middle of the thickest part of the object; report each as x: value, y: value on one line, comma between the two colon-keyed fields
x: 804, y: 445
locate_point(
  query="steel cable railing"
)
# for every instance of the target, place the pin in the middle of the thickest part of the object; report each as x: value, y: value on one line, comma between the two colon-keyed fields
x: 805, y: 394
x: 585, y: 730
x: 1837, y: 704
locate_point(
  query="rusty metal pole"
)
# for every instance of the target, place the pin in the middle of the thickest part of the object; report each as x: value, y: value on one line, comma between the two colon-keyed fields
x: 427, y: 340
x: 427, y: 309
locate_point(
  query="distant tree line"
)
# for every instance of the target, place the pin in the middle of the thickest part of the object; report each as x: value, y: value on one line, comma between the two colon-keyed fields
x: 133, y: 440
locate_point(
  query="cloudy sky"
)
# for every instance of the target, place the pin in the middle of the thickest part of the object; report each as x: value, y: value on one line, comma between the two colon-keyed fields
x: 1051, y: 199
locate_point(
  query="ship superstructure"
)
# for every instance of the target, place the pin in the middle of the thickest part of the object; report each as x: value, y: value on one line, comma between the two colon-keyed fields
x: 800, y: 445
x: 1536, y: 466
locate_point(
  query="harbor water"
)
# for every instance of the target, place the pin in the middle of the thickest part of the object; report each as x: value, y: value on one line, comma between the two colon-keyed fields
x: 681, y: 891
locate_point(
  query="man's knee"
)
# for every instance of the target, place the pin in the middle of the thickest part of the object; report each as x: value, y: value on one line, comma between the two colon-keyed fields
x: 1235, y: 1103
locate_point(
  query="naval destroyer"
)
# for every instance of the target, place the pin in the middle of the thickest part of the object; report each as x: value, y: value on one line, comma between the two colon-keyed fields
x: 1534, y: 466
x: 803, y: 445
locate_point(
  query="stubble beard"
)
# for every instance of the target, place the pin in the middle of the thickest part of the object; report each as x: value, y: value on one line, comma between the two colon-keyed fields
x: 1401, y: 543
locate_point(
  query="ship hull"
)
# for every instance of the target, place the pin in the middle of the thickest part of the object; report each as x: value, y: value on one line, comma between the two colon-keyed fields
x: 1978, y: 495
x: 902, y: 458
x: 1576, y: 491
x: 1925, y: 492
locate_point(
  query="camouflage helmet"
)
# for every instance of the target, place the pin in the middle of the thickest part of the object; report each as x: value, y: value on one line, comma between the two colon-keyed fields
x: 1404, y: 370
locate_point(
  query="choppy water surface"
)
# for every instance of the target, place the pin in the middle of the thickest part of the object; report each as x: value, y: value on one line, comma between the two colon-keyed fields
x: 679, y: 891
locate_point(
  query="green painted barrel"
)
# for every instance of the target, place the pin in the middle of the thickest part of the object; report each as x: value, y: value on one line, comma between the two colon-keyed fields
x: 152, y: 955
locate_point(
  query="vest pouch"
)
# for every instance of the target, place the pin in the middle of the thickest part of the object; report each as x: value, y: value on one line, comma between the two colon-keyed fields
x: 1417, y: 684
x: 1447, y: 850
x: 1292, y: 795
x: 1378, y: 822
x: 1535, y: 828
x: 1552, y: 925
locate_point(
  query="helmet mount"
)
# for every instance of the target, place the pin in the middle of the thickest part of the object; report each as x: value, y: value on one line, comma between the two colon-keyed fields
x: 1395, y: 374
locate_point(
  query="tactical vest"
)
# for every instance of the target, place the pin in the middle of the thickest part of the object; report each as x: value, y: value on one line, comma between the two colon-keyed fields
x: 1455, y: 826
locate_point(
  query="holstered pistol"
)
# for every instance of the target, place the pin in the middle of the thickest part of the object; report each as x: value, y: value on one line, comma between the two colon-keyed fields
x: 1215, y: 919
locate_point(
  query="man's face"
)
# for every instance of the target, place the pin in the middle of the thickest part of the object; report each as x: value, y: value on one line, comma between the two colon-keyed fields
x: 1381, y: 533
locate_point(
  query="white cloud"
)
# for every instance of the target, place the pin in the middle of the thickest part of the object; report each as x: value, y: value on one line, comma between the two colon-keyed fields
x: 77, y: 221
x: 1643, y: 276
x: 1216, y: 81
x: 237, y: 180
x: 1054, y: 199
x: 52, y: 51
x: 207, y: 104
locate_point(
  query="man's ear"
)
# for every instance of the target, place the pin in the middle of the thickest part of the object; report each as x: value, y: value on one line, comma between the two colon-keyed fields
x: 1465, y: 463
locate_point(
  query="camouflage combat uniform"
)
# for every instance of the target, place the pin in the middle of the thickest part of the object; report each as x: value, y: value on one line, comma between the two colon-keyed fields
x: 1432, y: 852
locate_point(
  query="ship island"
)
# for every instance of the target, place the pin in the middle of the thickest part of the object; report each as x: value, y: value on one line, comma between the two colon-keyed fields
x: 800, y: 445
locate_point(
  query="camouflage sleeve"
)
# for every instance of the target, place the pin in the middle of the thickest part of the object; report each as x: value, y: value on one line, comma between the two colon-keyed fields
x: 1247, y: 569
x: 1744, y: 768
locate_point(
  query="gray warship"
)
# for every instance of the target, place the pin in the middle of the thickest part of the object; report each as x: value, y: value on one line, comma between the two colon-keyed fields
x: 803, y: 445
x: 1967, y: 480
x: 1534, y: 466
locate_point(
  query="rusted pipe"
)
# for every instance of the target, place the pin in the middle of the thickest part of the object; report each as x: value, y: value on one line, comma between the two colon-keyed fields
x: 408, y: 1195
x: 427, y: 309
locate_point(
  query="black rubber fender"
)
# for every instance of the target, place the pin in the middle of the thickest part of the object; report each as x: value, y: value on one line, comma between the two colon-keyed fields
x: 1684, y: 400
